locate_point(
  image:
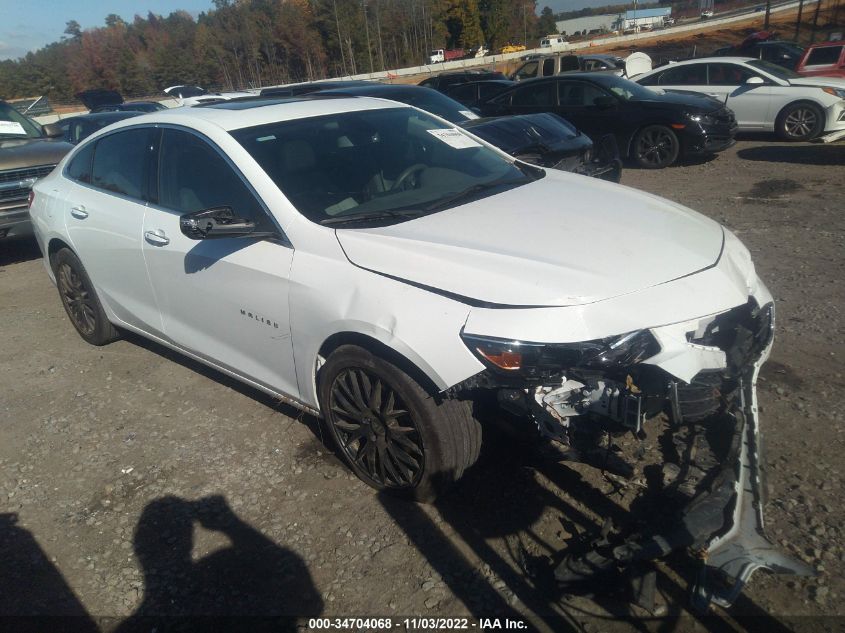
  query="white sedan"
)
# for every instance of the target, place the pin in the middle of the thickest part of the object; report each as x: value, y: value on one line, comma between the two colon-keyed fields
x: 398, y: 277
x: 763, y: 96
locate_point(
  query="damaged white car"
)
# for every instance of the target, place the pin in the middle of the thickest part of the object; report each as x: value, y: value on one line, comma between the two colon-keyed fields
x: 372, y: 264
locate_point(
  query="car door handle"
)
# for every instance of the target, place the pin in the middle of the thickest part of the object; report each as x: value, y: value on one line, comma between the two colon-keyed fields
x: 79, y: 212
x: 157, y: 238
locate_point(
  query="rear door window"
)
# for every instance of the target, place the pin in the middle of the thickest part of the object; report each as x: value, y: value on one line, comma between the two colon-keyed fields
x: 728, y: 74
x: 548, y: 67
x: 541, y: 94
x: 687, y: 75
x: 79, y: 167
x: 121, y: 162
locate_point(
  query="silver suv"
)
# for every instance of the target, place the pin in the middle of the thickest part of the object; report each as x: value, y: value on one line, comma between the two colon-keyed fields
x: 28, y: 151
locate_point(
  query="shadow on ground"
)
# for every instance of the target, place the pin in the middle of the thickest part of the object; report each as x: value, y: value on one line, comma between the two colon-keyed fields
x: 253, y: 576
x: 815, y: 154
x: 507, y: 496
x: 14, y: 251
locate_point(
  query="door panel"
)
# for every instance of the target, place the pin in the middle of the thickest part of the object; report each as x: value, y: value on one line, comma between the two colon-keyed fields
x: 223, y: 299
x: 751, y: 103
x: 105, y: 228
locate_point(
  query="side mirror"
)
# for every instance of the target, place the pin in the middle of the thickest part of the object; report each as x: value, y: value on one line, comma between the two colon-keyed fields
x: 754, y: 81
x: 217, y: 222
x: 604, y: 102
x: 52, y: 130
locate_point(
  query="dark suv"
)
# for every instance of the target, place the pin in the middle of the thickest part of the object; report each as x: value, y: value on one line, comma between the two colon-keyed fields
x: 28, y: 151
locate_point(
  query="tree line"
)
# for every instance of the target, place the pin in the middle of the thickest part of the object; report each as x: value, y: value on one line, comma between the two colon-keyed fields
x: 251, y: 43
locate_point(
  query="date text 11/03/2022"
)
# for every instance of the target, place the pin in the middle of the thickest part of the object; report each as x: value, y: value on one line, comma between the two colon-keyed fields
x: 417, y: 624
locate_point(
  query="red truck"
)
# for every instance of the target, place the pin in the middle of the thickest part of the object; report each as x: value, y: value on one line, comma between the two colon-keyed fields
x: 823, y: 60
x: 440, y: 55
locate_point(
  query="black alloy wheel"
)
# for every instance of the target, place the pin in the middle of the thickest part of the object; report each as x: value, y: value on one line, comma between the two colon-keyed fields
x: 655, y: 147
x: 77, y: 299
x: 375, y: 430
x: 80, y: 300
x: 394, y: 434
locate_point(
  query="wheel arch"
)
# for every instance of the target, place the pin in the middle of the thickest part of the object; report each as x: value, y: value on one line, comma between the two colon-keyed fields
x: 54, y: 246
x: 383, y: 350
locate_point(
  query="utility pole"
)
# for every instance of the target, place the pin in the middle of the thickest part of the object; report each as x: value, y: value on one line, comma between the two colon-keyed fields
x: 815, y: 21
x: 798, y: 21
x: 367, y: 31
x: 525, y: 24
x: 768, y: 13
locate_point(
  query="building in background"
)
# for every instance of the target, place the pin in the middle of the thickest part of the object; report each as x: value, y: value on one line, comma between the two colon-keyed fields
x: 594, y: 23
x: 643, y: 19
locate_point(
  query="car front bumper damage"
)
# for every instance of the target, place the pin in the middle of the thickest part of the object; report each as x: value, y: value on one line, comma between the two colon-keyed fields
x: 701, y: 384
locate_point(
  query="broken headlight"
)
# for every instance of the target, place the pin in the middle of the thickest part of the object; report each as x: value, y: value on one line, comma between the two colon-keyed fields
x: 537, y: 360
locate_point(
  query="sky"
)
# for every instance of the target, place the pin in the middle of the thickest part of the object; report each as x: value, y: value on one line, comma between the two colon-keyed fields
x: 27, y: 25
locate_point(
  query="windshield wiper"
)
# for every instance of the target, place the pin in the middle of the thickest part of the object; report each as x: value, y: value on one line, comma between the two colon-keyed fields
x: 371, y: 215
x: 470, y: 191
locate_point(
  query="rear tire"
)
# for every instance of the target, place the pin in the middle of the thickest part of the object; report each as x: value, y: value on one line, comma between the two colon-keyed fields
x: 80, y: 300
x: 390, y: 431
x: 655, y: 147
x: 800, y: 121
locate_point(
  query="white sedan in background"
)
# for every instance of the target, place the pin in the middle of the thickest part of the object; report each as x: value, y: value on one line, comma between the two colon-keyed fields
x: 764, y: 97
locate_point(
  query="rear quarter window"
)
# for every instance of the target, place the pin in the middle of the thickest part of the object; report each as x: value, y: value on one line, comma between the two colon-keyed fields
x: 79, y: 167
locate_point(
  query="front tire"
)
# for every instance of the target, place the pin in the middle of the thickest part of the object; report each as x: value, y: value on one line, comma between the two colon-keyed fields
x: 800, y: 122
x: 80, y: 300
x: 655, y: 147
x: 390, y: 431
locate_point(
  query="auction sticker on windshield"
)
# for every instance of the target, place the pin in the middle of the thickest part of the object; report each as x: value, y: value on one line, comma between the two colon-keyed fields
x: 11, y: 127
x: 454, y: 138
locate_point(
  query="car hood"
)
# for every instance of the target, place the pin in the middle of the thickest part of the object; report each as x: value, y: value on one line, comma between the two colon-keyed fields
x: 99, y: 97
x: 21, y: 153
x: 815, y: 80
x: 562, y: 240
x: 678, y: 99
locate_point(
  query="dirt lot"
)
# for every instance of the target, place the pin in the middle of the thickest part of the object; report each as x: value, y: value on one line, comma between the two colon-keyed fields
x: 140, y: 483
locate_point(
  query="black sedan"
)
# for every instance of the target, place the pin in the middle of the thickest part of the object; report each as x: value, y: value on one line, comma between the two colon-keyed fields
x: 543, y: 140
x: 651, y: 129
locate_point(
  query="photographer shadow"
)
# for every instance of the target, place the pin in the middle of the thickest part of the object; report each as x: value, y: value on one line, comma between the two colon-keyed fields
x: 252, y: 576
x: 34, y: 595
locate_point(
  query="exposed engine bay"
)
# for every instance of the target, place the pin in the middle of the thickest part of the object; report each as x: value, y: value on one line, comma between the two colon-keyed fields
x: 693, y: 381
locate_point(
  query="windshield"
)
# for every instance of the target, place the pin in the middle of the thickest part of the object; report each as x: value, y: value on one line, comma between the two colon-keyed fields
x: 431, y: 101
x: 773, y: 69
x: 623, y: 88
x: 383, y: 165
x: 518, y: 133
x: 14, y: 124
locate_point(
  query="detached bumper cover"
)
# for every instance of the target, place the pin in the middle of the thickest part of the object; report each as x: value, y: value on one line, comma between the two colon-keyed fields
x: 742, y: 547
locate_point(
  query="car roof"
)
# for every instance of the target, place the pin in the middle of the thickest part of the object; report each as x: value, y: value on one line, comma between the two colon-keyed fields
x: 825, y: 44
x: 242, y: 113
x: 117, y: 115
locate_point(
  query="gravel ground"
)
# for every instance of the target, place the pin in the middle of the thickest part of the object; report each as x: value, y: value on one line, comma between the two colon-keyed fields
x: 134, y: 482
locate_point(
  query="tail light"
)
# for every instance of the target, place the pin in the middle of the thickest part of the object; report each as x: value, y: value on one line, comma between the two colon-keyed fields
x: 31, y: 198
